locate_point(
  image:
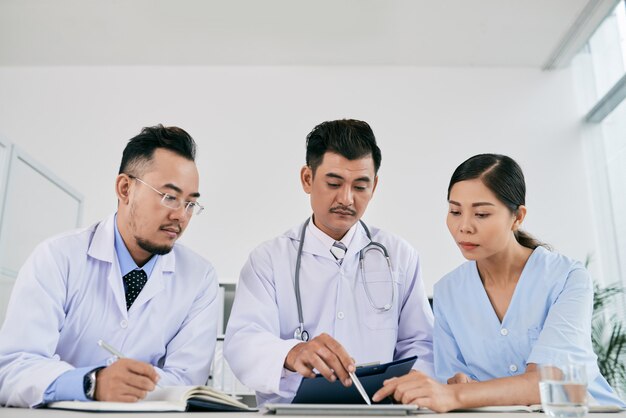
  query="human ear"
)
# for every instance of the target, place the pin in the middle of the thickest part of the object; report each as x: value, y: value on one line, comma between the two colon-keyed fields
x: 519, y: 217
x: 306, y: 178
x: 122, y: 188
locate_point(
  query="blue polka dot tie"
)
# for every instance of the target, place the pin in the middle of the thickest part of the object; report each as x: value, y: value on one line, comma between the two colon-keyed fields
x: 134, y: 281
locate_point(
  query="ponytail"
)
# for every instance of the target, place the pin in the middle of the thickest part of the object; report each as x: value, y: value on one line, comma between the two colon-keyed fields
x: 528, y: 241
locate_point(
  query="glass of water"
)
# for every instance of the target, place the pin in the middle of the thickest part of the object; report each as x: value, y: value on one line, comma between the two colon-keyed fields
x: 563, y: 390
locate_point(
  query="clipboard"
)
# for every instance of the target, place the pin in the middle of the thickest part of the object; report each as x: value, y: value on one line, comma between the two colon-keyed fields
x: 318, y: 390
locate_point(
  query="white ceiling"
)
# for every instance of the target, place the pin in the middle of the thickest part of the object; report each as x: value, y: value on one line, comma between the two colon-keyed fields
x: 502, y: 33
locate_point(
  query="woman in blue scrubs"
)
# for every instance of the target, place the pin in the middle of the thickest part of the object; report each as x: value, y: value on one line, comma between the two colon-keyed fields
x: 512, y: 306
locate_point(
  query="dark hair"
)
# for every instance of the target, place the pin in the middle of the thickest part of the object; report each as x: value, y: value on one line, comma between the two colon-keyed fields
x: 504, y: 177
x: 349, y: 138
x: 140, y: 149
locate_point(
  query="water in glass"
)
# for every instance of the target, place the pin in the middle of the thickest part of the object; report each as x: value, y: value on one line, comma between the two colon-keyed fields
x: 563, y: 399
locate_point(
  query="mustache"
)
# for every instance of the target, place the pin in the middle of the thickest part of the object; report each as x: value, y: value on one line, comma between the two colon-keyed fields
x: 343, y: 209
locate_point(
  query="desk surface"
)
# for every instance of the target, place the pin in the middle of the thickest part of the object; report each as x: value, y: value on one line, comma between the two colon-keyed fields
x: 50, y: 413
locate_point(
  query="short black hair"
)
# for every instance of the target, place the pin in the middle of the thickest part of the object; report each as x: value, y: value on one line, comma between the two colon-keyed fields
x: 349, y: 138
x: 140, y: 149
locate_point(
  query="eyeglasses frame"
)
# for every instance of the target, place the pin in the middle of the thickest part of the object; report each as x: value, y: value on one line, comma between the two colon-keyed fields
x: 187, y: 204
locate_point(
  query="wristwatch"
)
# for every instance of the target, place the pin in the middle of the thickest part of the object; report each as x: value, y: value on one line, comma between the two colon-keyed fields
x: 89, y: 384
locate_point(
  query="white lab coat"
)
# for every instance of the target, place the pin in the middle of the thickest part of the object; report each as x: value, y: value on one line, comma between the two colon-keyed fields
x: 260, y: 331
x: 69, y: 294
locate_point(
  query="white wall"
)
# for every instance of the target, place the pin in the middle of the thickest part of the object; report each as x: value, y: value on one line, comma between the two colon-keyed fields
x: 250, y: 124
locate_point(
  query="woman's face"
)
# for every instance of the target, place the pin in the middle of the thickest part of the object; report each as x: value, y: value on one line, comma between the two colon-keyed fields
x: 480, y: 224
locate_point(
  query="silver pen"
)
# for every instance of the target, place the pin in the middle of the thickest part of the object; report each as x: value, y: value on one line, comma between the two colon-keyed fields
x: 360, y: 388
x: 115, y: 352
x: 110, y: 349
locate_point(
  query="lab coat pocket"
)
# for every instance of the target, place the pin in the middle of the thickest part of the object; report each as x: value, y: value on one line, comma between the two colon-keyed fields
x: 377, y: 298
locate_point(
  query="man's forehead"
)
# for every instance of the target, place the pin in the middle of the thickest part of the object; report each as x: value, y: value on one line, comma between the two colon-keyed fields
x: 173, y: 174
x: 186, y: 181
x: 334, y: 162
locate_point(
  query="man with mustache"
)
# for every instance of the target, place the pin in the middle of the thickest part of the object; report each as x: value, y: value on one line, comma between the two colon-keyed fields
x: 122, y: 280
x: 343, y: 315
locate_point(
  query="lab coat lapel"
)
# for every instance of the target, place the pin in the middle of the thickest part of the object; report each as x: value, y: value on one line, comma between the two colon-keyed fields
x: 163, y: 270
x: 312, y: 245
x: 102, y: 248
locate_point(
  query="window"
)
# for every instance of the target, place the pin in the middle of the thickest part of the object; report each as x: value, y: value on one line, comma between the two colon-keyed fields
x: 600, y: 80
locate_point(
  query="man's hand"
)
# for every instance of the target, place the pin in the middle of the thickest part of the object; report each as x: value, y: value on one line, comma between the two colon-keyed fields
x: 126, y: 380
x: 326, y: 355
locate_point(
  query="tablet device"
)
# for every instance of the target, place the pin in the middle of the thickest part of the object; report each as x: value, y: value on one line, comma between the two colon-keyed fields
x: 326, y: 409
x: 318, y: 390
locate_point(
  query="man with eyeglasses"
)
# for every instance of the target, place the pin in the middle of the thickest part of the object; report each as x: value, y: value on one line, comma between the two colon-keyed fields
x: 123, y: 281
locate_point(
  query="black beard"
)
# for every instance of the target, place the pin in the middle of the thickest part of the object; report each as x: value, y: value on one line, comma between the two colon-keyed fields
x: 153, y: 248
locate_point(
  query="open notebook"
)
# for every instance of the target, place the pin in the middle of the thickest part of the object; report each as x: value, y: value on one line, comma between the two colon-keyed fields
x: 167, y: 398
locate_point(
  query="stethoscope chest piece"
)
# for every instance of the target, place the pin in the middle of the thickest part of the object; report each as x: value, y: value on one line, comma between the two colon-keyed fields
x: 301, y: 334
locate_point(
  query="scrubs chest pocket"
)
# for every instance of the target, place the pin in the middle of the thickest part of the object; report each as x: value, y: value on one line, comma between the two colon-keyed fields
x: 533, y: 336
x: 513, y: 347
x: 377, y: 292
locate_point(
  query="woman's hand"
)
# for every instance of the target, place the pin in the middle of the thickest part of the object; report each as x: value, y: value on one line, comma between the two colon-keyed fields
x: 460, y: 378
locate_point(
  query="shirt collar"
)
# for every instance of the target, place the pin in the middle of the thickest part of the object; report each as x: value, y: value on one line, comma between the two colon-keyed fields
x: 127, y: 264
x: 329, y: 241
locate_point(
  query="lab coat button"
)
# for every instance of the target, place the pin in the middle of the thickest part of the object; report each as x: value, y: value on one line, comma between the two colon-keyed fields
x: 340, y: 315
x: 56, y: 357
x: 504, y: 332
x: 513, y: 368
x: 124, y: 324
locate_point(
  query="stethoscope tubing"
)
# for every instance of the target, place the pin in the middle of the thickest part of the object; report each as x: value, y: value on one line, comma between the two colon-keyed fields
x: 300, y: 333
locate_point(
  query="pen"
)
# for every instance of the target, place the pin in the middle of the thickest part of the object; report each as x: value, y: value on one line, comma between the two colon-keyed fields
x: 112, y: 350
x: 359, y: 387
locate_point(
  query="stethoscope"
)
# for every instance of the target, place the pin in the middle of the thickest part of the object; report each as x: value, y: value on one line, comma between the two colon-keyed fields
x: 303, y: 335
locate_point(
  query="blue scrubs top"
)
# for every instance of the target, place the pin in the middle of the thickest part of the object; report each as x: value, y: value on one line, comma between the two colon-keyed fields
x: 548, y: 321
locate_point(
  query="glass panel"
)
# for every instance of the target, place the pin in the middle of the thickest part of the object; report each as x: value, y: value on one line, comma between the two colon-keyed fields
x: 36, y: 208
x: 614, y: 133
x: 606, y: 51
x: 596, y: 69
